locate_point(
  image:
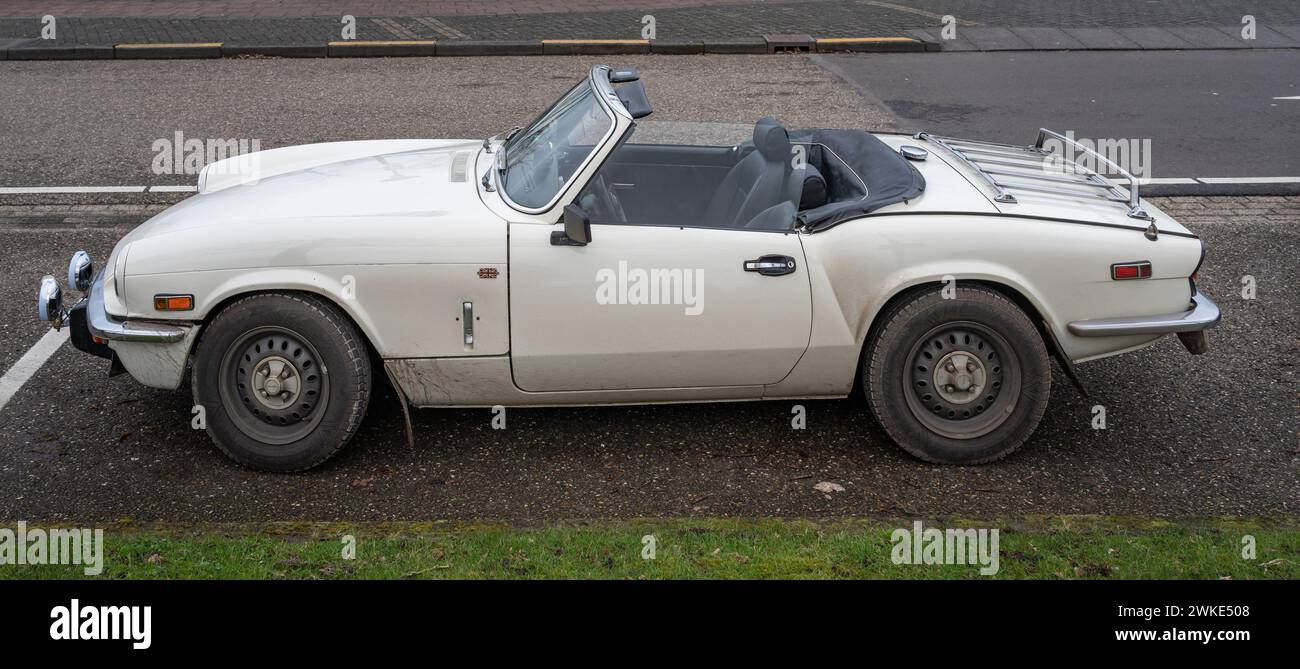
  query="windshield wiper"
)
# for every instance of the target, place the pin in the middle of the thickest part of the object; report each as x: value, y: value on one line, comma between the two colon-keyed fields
x: 487, y: 143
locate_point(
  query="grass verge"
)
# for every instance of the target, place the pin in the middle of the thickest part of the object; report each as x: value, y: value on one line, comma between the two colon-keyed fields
x: 1055, y: 547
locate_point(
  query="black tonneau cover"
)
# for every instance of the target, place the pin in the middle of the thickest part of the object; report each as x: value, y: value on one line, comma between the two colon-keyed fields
x: 888, y: 175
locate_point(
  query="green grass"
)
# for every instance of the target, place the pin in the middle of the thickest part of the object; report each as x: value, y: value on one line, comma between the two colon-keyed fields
x: 1053, y: 547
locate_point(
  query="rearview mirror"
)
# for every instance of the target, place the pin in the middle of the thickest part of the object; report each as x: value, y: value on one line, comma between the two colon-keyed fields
x: 577, y: 226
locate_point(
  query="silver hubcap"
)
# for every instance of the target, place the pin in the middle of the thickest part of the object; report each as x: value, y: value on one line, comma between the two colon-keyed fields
x: 959, y: 377
x: 276, y: 383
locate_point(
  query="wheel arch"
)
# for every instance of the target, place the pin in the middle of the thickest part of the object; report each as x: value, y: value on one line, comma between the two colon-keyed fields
x: 220, y: 305
x: 904, y: 292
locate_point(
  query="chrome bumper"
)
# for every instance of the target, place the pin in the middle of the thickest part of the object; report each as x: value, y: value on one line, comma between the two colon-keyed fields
x: 1204, y: 314
x: 104, y: 326
x: 89, y: 316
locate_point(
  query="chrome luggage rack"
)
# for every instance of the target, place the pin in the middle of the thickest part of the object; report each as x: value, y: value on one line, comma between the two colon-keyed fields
x: 998, y: 163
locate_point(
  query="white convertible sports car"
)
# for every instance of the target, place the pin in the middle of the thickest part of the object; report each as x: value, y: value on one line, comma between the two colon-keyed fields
x: 569, y: 263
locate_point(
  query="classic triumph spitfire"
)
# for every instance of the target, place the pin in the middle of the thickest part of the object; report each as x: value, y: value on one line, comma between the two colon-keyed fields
x: 568, y: 263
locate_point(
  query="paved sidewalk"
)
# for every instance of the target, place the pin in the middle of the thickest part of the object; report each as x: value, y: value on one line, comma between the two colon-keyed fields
x: 330, y: 8
x: 980, y: 24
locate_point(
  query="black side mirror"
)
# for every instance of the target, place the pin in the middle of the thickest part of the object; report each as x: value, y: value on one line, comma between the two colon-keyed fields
x: 577, y: 228
x: 623, y: 76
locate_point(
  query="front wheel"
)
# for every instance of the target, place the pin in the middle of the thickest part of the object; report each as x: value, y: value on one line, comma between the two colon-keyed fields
x: 963, y: 380
x: 284, y: 380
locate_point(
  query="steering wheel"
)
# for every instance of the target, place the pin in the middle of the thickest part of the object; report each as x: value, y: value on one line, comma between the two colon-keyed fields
x: 536, y: 169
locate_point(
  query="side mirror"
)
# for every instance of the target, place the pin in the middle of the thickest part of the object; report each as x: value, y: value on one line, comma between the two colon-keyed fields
x: 577, y: 228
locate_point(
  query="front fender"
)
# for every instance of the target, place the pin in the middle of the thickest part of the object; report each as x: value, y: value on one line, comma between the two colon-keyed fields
x: 404, y: 310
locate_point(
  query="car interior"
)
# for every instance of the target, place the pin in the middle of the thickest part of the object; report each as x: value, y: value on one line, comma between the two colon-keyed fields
x: 753, y: 185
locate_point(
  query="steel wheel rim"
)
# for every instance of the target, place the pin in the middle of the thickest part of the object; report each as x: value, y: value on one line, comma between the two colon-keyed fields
x: 274, y: 385
x: 941, y: 399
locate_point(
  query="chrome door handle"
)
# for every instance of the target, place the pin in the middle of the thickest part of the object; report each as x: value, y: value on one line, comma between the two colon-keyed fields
x: 771, y: 265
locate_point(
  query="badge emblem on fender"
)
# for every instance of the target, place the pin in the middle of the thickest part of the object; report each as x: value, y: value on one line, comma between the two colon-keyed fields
x: 488, y: 273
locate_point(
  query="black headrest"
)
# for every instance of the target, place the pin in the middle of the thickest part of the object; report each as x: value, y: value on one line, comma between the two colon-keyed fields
x: 813, y: 191
x: 771, y: 139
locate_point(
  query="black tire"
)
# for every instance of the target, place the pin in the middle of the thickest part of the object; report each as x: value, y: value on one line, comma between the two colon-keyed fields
x: 284, y: 380
x: 991, y: 401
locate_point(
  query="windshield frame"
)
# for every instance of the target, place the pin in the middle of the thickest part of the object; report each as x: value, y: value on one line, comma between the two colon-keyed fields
x: 603, y: 92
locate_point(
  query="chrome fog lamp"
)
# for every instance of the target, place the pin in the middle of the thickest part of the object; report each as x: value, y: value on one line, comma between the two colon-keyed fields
x: 80, y: 271
x: 49, y: 301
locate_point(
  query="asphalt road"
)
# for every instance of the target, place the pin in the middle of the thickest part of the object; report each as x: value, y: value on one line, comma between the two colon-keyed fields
x: 1186, y: 436
x: 1207, y: 113
x: 95, y: 123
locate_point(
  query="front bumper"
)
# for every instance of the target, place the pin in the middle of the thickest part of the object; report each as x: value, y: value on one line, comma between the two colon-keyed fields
x: 79, y: 332
x: 155, y: 354
x: 1202, y: 315
x: 105, y: 326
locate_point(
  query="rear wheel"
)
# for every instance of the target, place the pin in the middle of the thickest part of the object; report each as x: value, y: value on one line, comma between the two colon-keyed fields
x: 957, y: 381
x: 284, y: 380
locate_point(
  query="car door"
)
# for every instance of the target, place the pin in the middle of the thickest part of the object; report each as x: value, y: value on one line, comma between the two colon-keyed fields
x: 644, y: 307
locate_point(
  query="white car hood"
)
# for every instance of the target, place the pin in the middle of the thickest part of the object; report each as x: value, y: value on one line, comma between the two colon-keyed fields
x: 251, y: 168
x: 334, y: 180
x: 368, y: 201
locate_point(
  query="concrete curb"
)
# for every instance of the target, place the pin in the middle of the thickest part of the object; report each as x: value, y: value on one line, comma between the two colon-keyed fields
x: 488, y: 48
x: 744, y: 45
x: 594, y: 47
x: 873, y: 44
x: 33, y: 49
x: 676, y: 48
x: 37, y: 51
x: 381, y: 48
x: 276, y: 50
x: 168, y: 51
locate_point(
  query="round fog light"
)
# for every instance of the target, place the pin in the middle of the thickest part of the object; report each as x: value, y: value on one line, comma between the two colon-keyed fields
x: 80, y: 271
x: 49, y: 300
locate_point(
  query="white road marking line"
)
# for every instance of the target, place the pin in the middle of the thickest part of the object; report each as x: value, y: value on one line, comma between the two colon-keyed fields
x: 27, y: 366
x: 173, y: 189
x: 1289, y: 97
x: 1249, y: 180
x: 73, y: 189
x: 1166, y: 180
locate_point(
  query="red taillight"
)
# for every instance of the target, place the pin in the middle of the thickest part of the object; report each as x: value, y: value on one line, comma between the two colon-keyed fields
x: 1131, y: 270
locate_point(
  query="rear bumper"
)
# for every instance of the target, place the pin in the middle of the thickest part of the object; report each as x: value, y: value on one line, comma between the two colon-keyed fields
x: 1202, y: 315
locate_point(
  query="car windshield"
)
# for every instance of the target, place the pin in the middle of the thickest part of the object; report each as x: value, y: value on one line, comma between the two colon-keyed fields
x: 541, y: 159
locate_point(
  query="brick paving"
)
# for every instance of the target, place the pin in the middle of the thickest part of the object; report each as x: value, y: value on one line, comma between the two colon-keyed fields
x: 1195, y: 212
x: 330, y: 8
x: 983, y: 24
